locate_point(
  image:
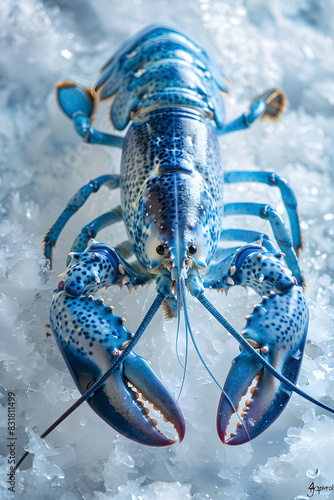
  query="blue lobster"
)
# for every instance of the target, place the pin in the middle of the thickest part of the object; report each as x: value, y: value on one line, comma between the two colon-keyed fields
x: 172, y: 206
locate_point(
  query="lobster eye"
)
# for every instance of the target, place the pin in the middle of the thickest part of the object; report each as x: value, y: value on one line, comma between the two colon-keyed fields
x: 160, y: 249
x: 192, y: 249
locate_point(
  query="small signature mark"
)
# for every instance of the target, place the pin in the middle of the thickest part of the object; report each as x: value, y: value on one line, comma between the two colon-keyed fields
x: 318, y: 489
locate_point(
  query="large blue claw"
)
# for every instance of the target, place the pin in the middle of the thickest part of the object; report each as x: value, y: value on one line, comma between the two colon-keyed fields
x: 277, y: 329
x: 91, y: 337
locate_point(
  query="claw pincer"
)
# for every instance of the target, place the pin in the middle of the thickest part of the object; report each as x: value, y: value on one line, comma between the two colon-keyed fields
x: 277, y: 330
x: 91, y: 337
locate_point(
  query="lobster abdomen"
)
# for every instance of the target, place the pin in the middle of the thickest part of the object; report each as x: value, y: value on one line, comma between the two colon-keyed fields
x: 161, y: 67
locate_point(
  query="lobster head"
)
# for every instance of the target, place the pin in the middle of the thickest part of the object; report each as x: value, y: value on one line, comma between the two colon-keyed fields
x: 177, y: 223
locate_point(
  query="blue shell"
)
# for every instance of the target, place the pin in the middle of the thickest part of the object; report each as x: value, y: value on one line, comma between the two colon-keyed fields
x: 171, y: 182
x: 170, y: 161
x: 161, y: 67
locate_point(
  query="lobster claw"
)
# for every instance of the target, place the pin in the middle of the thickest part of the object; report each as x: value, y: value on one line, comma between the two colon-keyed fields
x: 91, y: 337
x: 277, y: 329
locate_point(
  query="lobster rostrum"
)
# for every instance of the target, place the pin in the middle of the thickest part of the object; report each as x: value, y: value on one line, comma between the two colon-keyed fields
x: 168, y: 92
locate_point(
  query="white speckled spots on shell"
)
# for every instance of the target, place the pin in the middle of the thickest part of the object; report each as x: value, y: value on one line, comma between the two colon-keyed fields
x: 172, y: 160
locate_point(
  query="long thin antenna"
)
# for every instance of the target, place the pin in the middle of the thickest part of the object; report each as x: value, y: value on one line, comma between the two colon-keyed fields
x: 88, y: 394
x: 186, y: 317
x: 178, y: 311
x: 226, y: 324
x: 178, y: 294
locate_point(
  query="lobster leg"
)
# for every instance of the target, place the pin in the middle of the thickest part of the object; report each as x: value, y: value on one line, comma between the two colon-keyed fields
x: 222, y: 253
x: 243, y: 235
x: 74, y: 99
x: 279, y: 228
x: 124, y: 249
x: 92, y: 228
x: 81, y: 280
x: 78, y: 104
x: 247, y: 236
x: 73, y: 205
x: 288, y: 196
x: 270, y: 105
x: 93, y: 136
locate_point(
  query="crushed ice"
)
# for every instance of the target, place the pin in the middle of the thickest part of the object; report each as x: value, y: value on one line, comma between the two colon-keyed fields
x: 259, y: 44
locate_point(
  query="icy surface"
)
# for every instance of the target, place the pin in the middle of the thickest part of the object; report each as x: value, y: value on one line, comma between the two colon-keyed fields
x: 259, y: 44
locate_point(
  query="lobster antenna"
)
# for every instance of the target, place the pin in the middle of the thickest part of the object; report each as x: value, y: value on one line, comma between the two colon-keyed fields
x: 90, y: 392
x: 186, y: 318
x: 178, y: 307
x: 227, y: 325
x: 178, y: 295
